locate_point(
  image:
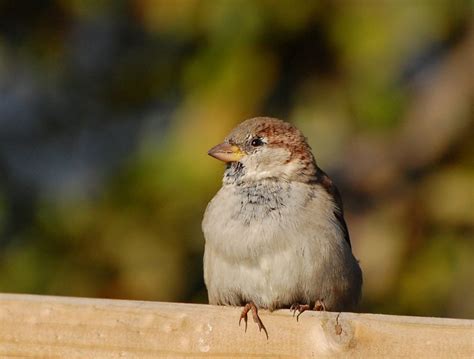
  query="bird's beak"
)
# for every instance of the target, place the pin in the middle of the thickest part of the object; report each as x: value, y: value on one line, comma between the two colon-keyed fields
x: 226, y: 152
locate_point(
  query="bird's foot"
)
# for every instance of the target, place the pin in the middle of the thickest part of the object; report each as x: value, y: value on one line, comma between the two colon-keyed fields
x: 300, y: 308
x: 250, y: 306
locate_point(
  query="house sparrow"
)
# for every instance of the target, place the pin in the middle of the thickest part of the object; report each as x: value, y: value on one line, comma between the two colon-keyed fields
x: 275, y: 232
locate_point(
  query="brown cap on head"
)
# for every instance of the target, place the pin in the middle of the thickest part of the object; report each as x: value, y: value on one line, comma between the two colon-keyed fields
x: 275, y: 130
x: 278, y: 134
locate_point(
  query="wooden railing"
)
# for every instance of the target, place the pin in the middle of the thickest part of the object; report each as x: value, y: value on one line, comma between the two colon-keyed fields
x: 61, y: 327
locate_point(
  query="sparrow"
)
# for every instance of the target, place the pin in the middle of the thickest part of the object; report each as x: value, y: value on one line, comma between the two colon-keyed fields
x: 275, y: 234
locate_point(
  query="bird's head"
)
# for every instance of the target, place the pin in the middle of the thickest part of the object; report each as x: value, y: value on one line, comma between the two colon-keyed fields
x: 264, y: 147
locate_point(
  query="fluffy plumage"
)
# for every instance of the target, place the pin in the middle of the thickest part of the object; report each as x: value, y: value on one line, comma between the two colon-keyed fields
x: 275, y: 232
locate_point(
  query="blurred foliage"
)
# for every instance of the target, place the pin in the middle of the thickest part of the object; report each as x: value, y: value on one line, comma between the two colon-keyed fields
x: 107, y: 109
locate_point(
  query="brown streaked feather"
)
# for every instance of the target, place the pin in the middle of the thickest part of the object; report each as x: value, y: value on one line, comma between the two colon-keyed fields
x: 323, y: 179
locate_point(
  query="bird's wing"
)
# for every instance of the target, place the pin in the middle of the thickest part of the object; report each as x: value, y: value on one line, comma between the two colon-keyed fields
x: 323, y: 179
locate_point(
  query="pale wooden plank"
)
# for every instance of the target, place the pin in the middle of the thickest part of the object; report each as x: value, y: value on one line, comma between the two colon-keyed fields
x: 60, y: 327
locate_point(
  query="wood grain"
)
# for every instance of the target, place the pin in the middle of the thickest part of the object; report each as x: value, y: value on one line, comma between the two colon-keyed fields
x: 60, y: 327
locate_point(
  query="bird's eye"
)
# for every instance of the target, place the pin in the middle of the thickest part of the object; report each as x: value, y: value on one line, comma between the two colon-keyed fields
x: 257, y: 142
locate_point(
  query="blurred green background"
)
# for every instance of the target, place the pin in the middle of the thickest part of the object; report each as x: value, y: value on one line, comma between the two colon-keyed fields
x: 107, y: 110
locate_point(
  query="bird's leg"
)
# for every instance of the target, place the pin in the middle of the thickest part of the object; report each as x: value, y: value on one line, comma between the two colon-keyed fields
x: 300, y: 308
x: 250, y: 306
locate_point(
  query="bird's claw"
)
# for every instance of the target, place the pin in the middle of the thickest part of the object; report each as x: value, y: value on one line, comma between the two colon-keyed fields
x: 300, y: 308
x: 243, y: 316
x: 294, y: 309
x: 252, y: 307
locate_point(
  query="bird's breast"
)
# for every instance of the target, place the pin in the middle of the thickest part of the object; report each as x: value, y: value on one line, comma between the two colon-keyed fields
x: 247, y: 222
